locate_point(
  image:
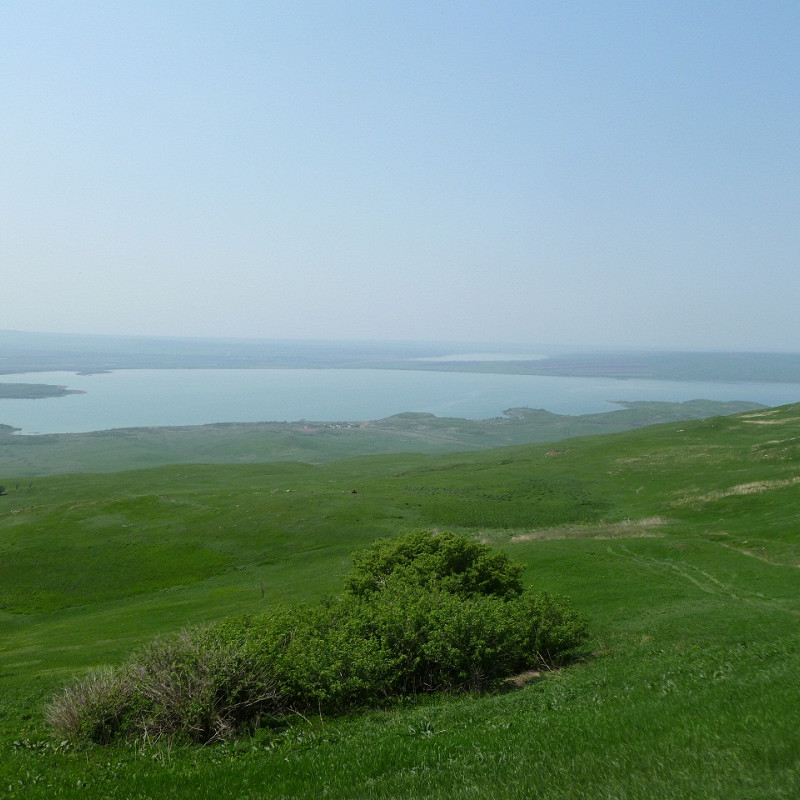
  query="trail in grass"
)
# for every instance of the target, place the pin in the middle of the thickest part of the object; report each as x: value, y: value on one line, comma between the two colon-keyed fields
x: 704, y: 580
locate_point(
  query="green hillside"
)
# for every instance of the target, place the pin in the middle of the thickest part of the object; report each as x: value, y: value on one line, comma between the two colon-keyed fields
x: 680, y: 542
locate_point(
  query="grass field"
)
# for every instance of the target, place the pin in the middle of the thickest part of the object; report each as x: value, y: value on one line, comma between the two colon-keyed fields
x: 681, y: 542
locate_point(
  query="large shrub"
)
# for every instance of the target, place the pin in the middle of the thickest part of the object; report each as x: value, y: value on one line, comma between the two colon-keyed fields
x: 424, y: 613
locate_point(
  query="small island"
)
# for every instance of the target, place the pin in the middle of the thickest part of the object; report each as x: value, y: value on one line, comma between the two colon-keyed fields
x: 34, y: 391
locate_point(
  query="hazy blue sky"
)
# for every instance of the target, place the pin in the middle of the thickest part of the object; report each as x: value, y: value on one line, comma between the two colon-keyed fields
x: 597, y: 172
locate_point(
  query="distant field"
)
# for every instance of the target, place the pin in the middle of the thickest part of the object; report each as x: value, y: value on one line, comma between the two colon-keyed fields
x: 24, y: 456
x: 680, y: 541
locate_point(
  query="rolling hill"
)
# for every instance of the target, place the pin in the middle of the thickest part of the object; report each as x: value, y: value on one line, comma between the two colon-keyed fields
x: 681, y: 542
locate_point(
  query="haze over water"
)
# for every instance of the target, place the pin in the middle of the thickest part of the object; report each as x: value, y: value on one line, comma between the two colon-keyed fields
x: 142, y: 398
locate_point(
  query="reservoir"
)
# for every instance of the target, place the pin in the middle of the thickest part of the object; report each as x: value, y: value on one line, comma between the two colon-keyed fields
x: 158, y: 397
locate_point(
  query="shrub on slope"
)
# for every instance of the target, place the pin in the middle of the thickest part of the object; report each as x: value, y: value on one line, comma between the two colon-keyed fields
x: 423, y: 613
x: 444, y: 560
x: 202, y: 684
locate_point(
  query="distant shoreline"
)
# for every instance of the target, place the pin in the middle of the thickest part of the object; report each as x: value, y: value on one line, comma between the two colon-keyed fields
x: 709, y: 367
x: 22, y: 353
x: 316, y: 442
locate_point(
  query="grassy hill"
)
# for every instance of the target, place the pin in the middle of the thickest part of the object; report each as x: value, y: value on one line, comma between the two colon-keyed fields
x: 681, y: 542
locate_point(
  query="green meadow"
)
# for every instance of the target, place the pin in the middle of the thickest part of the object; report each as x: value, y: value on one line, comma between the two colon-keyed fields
x: 680, y: 542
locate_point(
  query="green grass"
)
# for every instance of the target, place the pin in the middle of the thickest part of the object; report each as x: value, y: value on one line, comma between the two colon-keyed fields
x: 680, y: 542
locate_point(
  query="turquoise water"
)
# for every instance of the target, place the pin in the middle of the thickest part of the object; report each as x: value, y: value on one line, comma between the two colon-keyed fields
x: 135, y: 398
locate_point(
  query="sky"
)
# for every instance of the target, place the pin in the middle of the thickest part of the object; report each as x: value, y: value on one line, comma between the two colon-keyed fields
x: 619, y: 173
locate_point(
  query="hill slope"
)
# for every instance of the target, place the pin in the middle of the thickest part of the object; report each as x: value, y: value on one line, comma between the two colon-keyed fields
x: 681, y: 542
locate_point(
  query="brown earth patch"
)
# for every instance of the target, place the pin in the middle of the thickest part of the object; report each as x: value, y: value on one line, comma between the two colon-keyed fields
x: 523, y: 679
x: 627, y: 529
x: 755, y: 487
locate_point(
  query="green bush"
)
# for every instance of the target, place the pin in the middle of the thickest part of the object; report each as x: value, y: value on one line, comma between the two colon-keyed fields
x: 325, y: 655
x: 439, y: 641
x: 425, y: 613
x: 549, y: 629
x: 444, y: 560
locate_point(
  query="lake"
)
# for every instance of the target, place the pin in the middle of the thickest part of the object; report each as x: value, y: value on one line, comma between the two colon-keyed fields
x: 152, y: 397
